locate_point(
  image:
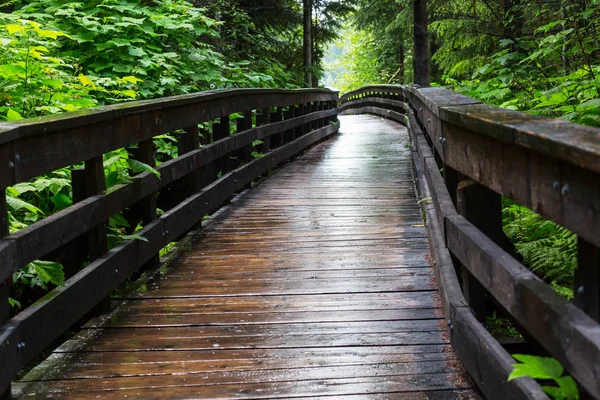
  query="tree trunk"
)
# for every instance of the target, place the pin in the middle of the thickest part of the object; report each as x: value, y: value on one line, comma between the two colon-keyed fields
x: 421, y: 51
x: 400, y: 78
x: 307, y: 8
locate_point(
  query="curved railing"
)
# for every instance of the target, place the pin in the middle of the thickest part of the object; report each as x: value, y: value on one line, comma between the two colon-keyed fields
x: 186, y: 188
x: 483, y: 153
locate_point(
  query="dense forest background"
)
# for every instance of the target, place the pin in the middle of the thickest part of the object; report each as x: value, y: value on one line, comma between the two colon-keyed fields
x: 540, y: 57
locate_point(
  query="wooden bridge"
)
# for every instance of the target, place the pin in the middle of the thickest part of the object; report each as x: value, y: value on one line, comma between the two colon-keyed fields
x: 353, y: 258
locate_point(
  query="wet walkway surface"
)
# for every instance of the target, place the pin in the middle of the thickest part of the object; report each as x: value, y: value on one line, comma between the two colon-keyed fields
x: 314, y: 283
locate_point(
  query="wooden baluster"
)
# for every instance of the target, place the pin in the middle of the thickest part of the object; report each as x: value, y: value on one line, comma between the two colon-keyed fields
x: 298, y: 111
x: 86, y: 182
x: 145, y: 209
x: 221, y: 130
x: 321, y: 121
x: 188, y: 141
x: 315, y: 107
x: 277, y: 139
x: 288, y: 135
x: 483, y: 208
x: 5, y: 285
x: 263, y: 118
x: 466, y: 203
x: 586, y: 286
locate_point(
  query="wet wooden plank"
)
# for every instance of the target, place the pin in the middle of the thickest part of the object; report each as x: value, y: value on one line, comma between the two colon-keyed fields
x: 119, y: 364
x: 284, y: 389
x: 317, y: 283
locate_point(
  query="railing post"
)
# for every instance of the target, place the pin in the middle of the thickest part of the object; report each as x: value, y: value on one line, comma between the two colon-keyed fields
x: 5, y: 285
x: 277, y: 139
x: 288, y: 135
x: 188, y: 141
x: 587, y: 279
x: 144, y: 211
x: 263, y: 118
x: 298, y: 112
x: 88, y: 182
x: 469, y: 202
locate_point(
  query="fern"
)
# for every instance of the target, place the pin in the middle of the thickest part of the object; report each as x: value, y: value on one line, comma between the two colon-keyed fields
x: 547, y: 248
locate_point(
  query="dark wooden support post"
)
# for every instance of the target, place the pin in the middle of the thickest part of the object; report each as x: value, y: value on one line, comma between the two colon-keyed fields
x: 321, y: 121
x: 299, y: 131
x: 587, y: 278
x: 313, y: 107
x: 189, y: 140
x: 483, y: 208
x: 277, y: 139
x: 464, y: 200
x: 263, y: 118
x: 221, y: 130
x: 145, y: 209
x: 288, y: 135
x: 88, y: 182
x: 5, y: 285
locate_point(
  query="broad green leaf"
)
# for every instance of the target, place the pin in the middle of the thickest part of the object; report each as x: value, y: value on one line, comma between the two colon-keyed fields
x: 129, y: 93
x: 13, y: 28
x: 12, y: 115
x: 118, y: 220
x: 138, y: 166
x: 11, y: 70
x: 134, y: 237
x: 568, y: 387
x: 14, y: 303
x: 131, y: 79
x: 61, y: 201
x: 137, y: 52
x: 49, y: 271
x: 53, y: 83
x: 536, y: 367
x: 85, y: 81
x: 16, y: 204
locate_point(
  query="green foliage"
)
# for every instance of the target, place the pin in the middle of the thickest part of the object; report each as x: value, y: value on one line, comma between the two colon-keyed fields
x: 547, y: 248
x: 546, y: 368
x: 35, y: 80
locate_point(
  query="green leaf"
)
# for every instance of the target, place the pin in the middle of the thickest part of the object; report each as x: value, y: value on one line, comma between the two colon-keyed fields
x: 85, y: 81
x: 17, y: 204
x: 118, y: 220
x: 49, y: 271
x: 131, y: 79
x: 53, y: 83
x: 134, y: 237
x: 12, y: 115
x: 13, y: 28
x: 138, y: 166
x: 257, y: 143
x: 12, y: 70
x: 14, y: 303
x: 536, y: 367
x: 137, y: 52
x: 568, y: 387
x: 61, y: 201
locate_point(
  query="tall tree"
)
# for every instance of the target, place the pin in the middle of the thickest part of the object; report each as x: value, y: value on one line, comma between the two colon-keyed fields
x: 308, y: 43
x: 421, y: 43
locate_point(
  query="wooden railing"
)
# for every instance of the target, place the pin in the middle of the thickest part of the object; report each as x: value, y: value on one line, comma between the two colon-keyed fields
x: 190, y: 186
x: 548, y: 165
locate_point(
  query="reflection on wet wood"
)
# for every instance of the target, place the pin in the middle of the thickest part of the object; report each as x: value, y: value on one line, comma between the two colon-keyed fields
x: 315, y: 283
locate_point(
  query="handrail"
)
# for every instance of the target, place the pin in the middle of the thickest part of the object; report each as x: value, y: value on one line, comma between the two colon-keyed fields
x: 189, y: 187
x: 548, y: 165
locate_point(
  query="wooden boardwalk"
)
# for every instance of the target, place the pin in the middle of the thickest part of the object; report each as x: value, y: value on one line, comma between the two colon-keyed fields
x: 314, y: 283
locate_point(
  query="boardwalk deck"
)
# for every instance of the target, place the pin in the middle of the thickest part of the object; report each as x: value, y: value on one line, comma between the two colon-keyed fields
x: 314, y: 283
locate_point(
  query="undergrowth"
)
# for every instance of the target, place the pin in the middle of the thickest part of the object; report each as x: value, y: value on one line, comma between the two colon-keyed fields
x: 547, y: 249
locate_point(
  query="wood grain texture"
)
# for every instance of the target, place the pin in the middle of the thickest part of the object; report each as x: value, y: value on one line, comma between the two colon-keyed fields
x: 315, y: 283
